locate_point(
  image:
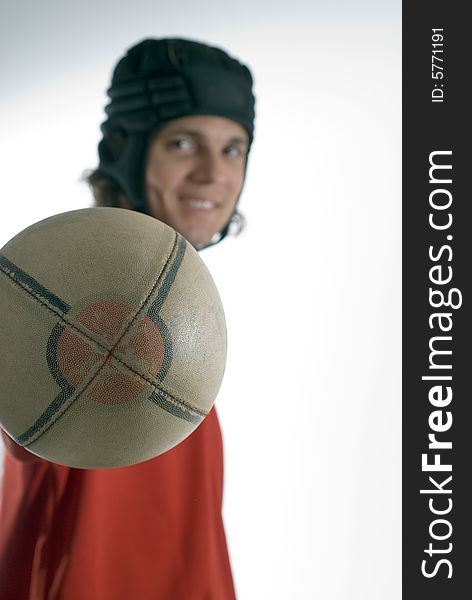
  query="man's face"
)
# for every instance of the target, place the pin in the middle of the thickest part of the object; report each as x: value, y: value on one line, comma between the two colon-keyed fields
x: 195, y: 173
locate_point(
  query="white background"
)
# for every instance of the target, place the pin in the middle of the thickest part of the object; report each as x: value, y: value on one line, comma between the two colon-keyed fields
x: 310, y: 404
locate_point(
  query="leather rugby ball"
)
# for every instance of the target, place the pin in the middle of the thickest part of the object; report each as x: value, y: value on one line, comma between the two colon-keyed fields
x: 112, y: 338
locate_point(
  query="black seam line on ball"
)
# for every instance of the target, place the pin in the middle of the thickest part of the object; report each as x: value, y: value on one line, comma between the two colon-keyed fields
x: 21, y: 277
x: 60, y: 315
x: 163, y: 401
x: 40, y: 298
x: 51, y: 359
x: 168, y: 349
x: 45, y: 421
x: 67, y: 390
x: 160, y: 397
x: 168, y: 279
x: 158, y: 389
x: 153, y: 311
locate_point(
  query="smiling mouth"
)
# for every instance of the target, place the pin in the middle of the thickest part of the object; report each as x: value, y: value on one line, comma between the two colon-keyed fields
x: 199, y: 204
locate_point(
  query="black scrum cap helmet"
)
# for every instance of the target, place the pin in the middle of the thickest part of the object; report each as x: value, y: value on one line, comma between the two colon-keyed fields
x: 158, y: 81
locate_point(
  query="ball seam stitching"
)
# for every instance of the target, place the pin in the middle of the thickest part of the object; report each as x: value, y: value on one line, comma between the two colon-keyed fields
x: 109, y: 351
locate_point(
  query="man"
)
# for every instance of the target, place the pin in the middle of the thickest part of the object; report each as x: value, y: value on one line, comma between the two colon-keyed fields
x: 175, y: 143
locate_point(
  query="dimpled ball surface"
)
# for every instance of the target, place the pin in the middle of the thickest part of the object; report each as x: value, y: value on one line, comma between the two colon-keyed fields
x: 113, y: 338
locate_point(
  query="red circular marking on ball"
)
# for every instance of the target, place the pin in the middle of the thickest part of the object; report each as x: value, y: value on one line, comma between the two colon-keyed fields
x: 115, y: 387
x: 75, y: 357
x: 142, y: 351
x: 104, y: 318
x: 145, y: 348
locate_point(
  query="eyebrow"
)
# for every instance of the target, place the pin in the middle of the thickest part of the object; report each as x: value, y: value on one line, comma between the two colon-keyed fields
x: 199, y: 135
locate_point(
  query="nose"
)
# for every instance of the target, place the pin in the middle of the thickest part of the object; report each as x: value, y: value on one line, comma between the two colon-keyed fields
x: 209, y: 167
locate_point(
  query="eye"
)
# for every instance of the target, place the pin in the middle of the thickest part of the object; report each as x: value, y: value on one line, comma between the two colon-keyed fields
x: 234, y: 150
x: 181, y: 144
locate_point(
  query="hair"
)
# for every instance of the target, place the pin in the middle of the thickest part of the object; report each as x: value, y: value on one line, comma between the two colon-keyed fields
x: 105, y: 189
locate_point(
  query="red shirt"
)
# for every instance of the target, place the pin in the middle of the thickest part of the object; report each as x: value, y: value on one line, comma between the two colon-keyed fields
x: 152, y: 531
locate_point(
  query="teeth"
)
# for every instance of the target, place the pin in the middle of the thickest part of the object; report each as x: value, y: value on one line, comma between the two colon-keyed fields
x: 204, y: 204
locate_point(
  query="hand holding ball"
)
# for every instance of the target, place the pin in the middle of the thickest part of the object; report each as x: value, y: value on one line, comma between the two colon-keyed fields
x: 113, y: 339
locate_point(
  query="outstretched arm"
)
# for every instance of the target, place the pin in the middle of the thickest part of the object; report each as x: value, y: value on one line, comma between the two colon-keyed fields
x: 18, y: 451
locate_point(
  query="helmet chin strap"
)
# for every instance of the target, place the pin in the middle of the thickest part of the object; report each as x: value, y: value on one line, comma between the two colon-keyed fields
x: 217, y: 238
